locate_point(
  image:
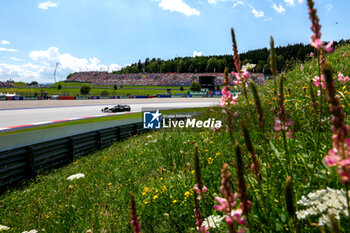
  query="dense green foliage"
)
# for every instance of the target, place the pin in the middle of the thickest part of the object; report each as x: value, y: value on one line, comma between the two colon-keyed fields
x: 287, y: 57
x: 195, y: 86
x: 105, y: 93
x: 85, y: 89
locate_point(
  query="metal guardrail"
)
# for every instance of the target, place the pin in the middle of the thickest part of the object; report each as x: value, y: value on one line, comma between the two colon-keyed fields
x: 26, y: 162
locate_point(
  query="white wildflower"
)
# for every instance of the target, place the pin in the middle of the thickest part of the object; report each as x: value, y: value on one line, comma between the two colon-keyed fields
x: 31, y: 231
x: 324, y: 220
x: 212, y: 221
x: 4, y: 228
x: 324, y: 202
x: 149, y: 136
x: 76, y: 176
x: 248, y: 66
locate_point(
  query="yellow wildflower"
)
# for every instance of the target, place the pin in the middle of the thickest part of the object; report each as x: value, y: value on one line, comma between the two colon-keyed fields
x: 155, y: 197
x: 174, y: 201
x: 187, y: 194
x: 210, y: 160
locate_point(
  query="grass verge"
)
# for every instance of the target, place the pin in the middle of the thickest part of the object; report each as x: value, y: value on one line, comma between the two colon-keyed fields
x: 99, y: 119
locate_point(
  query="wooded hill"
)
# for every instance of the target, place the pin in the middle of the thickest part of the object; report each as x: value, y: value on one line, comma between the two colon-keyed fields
x: 287, y: 57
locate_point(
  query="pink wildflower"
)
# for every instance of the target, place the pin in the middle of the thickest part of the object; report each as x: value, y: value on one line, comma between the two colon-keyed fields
x: 328, y: 48
x: 227, y: 204
x: 199, y: 220
x: 343, y: 79
x: 227, y: 98
x: 339, y: 155
x: 280, y: 126
x: 245, y: 74
x: 301, y: 68
x: 312, y: 54
x: 223, y: 204
x: 316, y: 43
x: 317, y: 81
x: 340, y: 158
x: 135, y: 223
x: 237, y: 216
x: 290, y: 133
x: 200, y: 192
x: 238, y: 78
x: 216, y: 129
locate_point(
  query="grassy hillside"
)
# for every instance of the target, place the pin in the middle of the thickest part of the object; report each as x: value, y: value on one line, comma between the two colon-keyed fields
x: 159, y: 169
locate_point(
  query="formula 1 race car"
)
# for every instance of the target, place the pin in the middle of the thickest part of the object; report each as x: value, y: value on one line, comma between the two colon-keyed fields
x: 117, y: 108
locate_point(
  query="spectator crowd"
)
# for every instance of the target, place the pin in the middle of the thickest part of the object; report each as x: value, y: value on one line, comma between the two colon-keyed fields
x: 156, y: 79
x: 6, y: 84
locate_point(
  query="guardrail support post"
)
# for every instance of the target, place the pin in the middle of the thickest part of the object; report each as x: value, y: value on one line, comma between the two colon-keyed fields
x: 30, y: 162
x: 99, y: 140
x: 141, y: 127
x: 118, y: 133
x: 71, y: 148
x: 135, y: 129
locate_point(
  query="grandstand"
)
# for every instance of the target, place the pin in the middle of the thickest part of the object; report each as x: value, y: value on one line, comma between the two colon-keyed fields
x: 154, y: 79
x: 7, y: 84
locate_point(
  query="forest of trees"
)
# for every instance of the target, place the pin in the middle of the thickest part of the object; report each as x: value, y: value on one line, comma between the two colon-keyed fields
x: 287, y: 56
